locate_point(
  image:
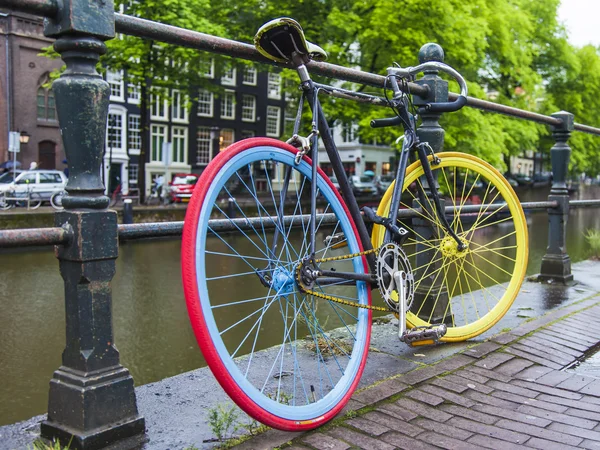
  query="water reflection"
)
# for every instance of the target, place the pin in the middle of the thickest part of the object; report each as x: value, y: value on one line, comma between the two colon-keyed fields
x: 152, y: 329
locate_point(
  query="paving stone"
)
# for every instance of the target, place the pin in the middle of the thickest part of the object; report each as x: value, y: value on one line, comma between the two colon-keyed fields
x: 437, y: 427
x: 482, y: 350
x: 400, y: 441
x: 368, y: 426
x: 575, y: 431
x: 563, y: 360
x: 447, y: 442
x: 534, y: 358
x: 301, y: 447
x: 543, y: 433
x: 352, y: 405
x: 268, y: 440
x: 455, y: 362
x: 322, y: 441
x: 490, y: 442
x: 592, y: 445
x: 443, y: 383
x: 493, y: 360
x: 505, y: 338
x: 533, y: 373
x: 555, y: 346
x: 381, y: 391
x: 359, y: 439
x: 569, y: 333
x: 488, y: 430
x: 395, y: 411
x: 469, y: 414
x: 554, y: 378
x: 548, y: 390
x: 450, y: 396
x: 592, y: 389
x: 570, y: 403
x: 545, y: 350
x: 575, y: 383
x: 544, y: 444
x: 530, y: 401
x: 557, y: 417
x: 393, y: 423
x: 460, y: 381
x: 422, y: 410
x: 514, y: 415
x: 583, y: 414
x: 489, y: 400
x: 513, y: 366
x: 584, y: 325
x: 425, y: 397
x: 469, y: 375
x: 488, y: 373
x: 552, y: 337
x: 518, y: 390
x: 419, y: 375
x: 590, y: 399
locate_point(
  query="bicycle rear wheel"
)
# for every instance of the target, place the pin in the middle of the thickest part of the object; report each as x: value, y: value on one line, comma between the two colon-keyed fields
x: 288, y: 359
x: 56, y: 200
x: 467, y: 290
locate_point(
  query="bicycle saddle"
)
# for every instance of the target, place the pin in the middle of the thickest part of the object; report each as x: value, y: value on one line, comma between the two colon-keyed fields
x: 280, y: 38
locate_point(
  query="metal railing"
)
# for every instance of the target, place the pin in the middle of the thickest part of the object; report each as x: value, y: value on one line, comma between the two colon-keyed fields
x: 92, y: 401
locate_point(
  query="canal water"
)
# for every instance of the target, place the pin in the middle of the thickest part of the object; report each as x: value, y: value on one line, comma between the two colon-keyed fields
x: 152, y: 330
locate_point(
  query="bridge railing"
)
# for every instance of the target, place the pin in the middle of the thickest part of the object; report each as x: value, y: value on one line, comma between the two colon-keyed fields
x: 92, y: 401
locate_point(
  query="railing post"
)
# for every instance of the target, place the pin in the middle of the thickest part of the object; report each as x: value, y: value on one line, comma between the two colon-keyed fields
x: 433, y: 297
x: 92, y: 400
x: 556, y: 263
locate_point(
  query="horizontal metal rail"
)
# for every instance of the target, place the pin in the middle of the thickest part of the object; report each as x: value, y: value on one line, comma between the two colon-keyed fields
x: 34, y: 237
x: 148, y: 29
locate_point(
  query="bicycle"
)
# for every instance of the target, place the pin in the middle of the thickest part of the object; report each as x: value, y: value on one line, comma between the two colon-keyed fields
x: 269, y: 267
x: 56, y: 200
x: 11, y: 199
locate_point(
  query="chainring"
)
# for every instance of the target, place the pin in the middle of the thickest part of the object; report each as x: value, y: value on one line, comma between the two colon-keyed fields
x: 390, y: 259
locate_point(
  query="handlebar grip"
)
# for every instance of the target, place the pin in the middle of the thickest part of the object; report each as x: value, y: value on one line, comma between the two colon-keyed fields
x: 447, y: 106
x: 380, y: 123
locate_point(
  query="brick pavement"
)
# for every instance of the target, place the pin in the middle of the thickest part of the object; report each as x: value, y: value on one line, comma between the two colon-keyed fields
x: 509, y: 392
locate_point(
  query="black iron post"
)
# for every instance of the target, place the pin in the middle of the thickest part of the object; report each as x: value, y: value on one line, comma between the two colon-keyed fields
x: 92, y: 401
x: 431, y: 294
x: 556, y: 263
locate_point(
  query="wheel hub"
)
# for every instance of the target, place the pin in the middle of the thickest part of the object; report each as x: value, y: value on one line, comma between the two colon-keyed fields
x: 449, y: 247
x: 283, y: 282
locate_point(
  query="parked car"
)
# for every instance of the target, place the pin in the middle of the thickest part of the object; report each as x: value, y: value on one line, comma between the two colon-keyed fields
x: 384, y: 182
x: 182, y: 186
x: 8, y: 177
x: 363, y: 185
x: 42, y: 182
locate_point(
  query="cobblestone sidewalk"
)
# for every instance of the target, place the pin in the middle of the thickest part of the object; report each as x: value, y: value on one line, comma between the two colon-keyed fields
x: 509, y: 392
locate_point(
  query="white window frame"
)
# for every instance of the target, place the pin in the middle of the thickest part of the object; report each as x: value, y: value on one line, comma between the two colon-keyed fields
x: 210, y: 73
x: 115, y: 80
x: 133, y: 94
x: 155, y: 106
x: 179, y: 111
x: 246, y: 134
x: 229, y: 75
x: 228, y: 95
x: 251, y: 109
x: 253, y: 75
x: 121, y: 113
x: 222, y: 143
x: 211, y: 104
x: 134, y: 133
x: 179, y: 140
x: 204, y: 154
x: 157, y: 130
x: 270, y: 117
x: 274, y: 85
x: 133, y: 169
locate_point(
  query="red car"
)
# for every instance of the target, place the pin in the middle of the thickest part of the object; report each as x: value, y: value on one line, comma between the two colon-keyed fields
x: 182, y: 186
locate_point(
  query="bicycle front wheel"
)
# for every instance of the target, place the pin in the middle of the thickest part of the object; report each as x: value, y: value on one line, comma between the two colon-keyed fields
x: 289, y: 359
x: 468, y: 290
x: 56, y: 200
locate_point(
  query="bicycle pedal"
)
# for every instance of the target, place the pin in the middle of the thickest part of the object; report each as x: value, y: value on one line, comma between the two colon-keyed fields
x: 424, y: 335
x: 337, y: 240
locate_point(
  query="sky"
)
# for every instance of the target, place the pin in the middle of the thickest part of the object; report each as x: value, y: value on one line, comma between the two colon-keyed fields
x: 581, y: 17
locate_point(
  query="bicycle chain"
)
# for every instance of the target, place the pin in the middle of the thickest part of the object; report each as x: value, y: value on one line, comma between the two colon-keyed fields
x: 342, y: 301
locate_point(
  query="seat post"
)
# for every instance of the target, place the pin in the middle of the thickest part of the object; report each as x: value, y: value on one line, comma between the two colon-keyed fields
x: 299, y: 62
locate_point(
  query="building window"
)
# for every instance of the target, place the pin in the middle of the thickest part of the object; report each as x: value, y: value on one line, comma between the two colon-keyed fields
x: 115, y: 81
x: 133, y: 94
x: 229, y: 73
x: 159, y: 108
x: 204, y: 146
x: 349, y: 132
x: 274, y: 86
x: 134, y: 127
x: 273, y: 113
x: 158, y: 136
x: 179, y: 112
x: 249, y: 76
x: 247, y: 134
x: 133, y: 170
x: 228, y: 106
x: 226, y: 138
x: 205, y: 103
x: 249, y: 108
x: 179, y: 137
x: 207, y: 68
x: 114, y: 131
x: 46, y: 107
